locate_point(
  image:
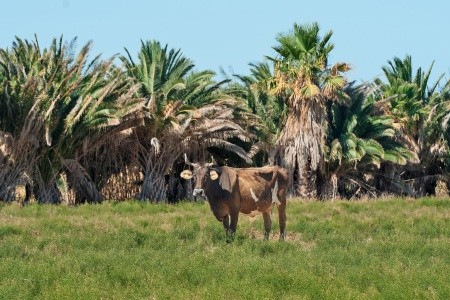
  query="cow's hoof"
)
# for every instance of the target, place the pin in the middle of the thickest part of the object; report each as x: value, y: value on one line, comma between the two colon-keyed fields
x: 230, y: 237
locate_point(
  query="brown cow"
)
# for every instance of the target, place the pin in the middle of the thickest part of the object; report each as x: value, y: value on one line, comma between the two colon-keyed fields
x: 247, y: 190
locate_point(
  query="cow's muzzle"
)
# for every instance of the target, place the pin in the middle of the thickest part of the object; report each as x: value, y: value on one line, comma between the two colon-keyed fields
x: 199, y: 192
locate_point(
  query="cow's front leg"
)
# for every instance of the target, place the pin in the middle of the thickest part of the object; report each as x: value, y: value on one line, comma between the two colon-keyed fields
x: 231, y: 233
x: 226, y: 224
x: 228, y: 231
x: 267, y: 224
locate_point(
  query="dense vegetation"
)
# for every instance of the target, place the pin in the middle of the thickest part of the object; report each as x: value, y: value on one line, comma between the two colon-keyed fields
x: 79, y: 129
x: 396, y: 249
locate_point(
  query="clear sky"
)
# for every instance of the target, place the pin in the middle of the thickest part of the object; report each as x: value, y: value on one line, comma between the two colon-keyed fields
x: 232, y: 33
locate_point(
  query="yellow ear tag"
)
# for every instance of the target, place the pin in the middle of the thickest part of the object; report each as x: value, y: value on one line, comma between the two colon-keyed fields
x: 213, y: 175
x: 186, y: 174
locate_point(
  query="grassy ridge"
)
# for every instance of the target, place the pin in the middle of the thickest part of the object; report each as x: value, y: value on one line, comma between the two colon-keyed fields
x: 394, y: 249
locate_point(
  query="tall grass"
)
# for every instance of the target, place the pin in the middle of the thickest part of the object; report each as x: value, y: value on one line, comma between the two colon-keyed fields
x: 391, y: 249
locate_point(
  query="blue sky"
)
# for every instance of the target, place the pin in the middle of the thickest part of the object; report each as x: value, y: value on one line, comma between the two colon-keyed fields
x: 229, y: 34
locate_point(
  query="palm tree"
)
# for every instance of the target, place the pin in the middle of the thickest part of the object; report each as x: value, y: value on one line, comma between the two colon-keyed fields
x: 181, y: 104
x: 256, y: 90
x: 160, y: 72
x: 268, y: 109
x: 360, y: 137
x: 408, y: 95
x: 19, y: 117
x: 410, y: 98
x: 436, y: 154
x: 66, y: 102
x: 309, y: 85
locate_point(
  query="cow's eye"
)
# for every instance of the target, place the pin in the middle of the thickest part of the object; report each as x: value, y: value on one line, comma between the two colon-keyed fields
x: 186, y: 174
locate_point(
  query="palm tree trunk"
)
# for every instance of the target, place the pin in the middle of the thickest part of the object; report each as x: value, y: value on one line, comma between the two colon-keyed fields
x: 329, y: 189
x: 81, y: 182
x: 11, y: 175
x: 7, y: 194
x: 300, y: 147
x: 154, y: 187
x: 47, y: 193
x: 160, y: 159
x: 154, y: 184
x: 387, y: 179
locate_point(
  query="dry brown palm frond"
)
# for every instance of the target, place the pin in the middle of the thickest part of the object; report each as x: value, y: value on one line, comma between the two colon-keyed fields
x: 217, y: 125
x: 228, y: 101
x: 410, y: 144
x: 220, y: 106
x: 205, y: 110
x: 123, y: 185
x: 225, y: 114
x: 241, y: 135
x: 171, y: 108
x: 257, y: 147
x: 183, y: 124
x: 438, y: 149
x: 23, y: 154
x: 222, y: 144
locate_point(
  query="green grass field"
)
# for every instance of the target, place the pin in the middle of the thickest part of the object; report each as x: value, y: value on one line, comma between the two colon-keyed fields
x: 385, y: 249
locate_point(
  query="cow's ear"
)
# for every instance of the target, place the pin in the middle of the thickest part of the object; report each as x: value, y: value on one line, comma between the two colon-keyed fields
x: 213, y: 174
x: 186, y: 174
x: 227, y: 179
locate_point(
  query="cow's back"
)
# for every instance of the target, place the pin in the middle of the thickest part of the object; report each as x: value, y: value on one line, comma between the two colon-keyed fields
x: 268, y: 174
x: 258, y: 187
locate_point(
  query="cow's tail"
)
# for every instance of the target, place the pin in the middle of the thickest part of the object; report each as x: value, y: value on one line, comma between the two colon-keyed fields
x: 281, y: 176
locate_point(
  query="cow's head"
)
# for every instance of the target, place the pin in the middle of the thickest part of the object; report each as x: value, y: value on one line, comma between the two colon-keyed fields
x: 203, y: 173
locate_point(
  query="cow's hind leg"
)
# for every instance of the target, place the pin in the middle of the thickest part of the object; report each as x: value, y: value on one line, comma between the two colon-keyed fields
x: 282, y: 219
x: 267, y: 224
x: 282, y: 212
